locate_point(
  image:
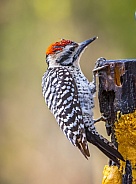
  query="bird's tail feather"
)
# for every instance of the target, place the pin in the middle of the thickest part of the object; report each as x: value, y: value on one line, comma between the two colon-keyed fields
x: 83, y: 147
x: 105, y: 146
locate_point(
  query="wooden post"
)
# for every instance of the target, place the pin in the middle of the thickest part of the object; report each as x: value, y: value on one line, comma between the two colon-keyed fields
x: 117, y: 100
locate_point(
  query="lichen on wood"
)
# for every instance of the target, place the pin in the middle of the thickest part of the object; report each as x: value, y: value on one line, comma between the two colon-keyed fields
x: 117, y: 101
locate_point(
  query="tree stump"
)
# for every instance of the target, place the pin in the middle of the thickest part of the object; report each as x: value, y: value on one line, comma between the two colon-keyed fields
x: 117, y: 101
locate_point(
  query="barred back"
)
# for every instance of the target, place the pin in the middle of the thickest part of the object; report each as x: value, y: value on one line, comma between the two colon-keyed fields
x: 61, y: 95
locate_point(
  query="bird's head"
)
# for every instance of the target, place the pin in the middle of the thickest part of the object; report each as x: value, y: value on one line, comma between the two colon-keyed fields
x: 66, y: 52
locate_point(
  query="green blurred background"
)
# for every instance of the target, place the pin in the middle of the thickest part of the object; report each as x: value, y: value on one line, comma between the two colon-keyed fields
x: 33, y: 149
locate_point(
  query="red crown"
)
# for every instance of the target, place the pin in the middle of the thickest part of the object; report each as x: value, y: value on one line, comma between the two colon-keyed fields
x: 57, y: 46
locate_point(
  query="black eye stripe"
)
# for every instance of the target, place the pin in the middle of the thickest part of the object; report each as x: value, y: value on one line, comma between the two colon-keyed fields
x: 72, y: 49
x: 61, y: 59
x: 69, y: 52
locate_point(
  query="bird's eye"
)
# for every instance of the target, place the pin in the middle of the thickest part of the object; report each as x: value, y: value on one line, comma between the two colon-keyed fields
x: 72, y: 49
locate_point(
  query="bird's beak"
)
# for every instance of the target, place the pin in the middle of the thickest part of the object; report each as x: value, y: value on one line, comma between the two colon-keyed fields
x: 84, y: 44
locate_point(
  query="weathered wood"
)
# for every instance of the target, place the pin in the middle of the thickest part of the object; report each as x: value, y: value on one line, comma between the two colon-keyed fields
x: 117, y: 101
x: 117, y: 88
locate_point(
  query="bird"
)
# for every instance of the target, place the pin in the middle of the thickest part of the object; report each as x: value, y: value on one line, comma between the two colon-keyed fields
x: 70, y: 97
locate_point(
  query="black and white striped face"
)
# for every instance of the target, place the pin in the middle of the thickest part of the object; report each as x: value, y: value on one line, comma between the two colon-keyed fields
x: 66, y: 52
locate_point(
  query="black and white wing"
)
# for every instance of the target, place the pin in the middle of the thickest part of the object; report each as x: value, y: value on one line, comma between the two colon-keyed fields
x: 60, y: 93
